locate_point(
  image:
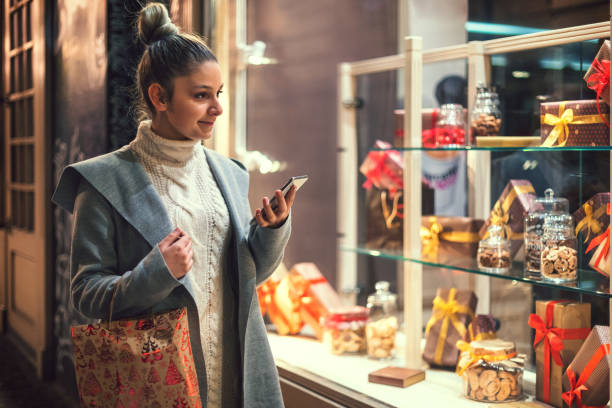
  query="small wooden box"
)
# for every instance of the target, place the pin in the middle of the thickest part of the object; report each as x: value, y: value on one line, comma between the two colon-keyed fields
x: 396, y: 376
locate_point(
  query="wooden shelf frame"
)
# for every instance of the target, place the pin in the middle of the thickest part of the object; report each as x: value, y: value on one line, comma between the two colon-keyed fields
x: 478, y: 55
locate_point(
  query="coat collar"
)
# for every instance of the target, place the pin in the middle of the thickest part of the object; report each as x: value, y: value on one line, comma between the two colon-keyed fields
x: 121, y: 179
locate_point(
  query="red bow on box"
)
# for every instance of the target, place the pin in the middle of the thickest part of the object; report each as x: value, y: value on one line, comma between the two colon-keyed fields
x: 380, y: 171
x: 605, y: 238
x: 553, y: 344
x: 577, y: 386
x: 599, y: 80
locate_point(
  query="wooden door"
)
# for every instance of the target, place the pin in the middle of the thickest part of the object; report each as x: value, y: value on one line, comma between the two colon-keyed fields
x: 3, y: 293
x: 26, y: 178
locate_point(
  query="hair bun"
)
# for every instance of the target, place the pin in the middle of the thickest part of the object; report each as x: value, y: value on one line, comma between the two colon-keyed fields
x: 154, y: 23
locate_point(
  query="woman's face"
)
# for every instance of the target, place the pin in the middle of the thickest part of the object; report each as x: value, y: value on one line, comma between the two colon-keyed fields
x: 194, y: 107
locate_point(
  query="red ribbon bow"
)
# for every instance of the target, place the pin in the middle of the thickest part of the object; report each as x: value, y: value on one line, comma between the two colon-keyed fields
x: 577, y: 386
x: 553, y: 341
x: 599, y: 80
x: 605, y: 238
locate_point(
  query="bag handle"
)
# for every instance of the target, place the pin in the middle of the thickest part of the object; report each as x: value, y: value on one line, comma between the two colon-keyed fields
x: 112, y: 301
x: 110, y: 311
x: 389, y: 216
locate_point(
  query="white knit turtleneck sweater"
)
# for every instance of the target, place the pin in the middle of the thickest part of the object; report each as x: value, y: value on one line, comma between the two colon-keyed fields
x: 180, y: 173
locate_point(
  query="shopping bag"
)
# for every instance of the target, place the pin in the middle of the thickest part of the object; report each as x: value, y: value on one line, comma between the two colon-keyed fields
x: 136, y: 362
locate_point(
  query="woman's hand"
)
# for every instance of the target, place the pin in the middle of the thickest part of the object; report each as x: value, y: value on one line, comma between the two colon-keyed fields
x: 274, y: 218
x: 177, y: 252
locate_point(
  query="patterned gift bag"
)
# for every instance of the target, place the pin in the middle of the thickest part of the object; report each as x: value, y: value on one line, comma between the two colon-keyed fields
x: 145, y: 362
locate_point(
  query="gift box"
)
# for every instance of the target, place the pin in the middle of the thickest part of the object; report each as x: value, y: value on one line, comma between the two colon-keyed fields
x: 384, y: 219
x: 265, y: 291
x: 429, y: 118
x: 383, y: 169
x: 601, y: 244
x: 560, y: 329
x: 319, y: 296
x: 453, y: 310
x: 481, y: 328
x: 509, y: 212
x: 597, y: 76
x: 265, y: 294
x: 586, y: 382
x: 574, y: 123
x: 591, y: 218
x: 600, y: 261
x: 449, y: 238
x: 284, y: 309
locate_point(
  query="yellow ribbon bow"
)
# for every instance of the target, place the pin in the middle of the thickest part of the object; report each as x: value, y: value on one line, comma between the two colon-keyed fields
x: 430, y: 239
x: 589, y: 222
x: 560, y: 125
x: 465, y: 363
x: 500, y: 216
x: 559, y: 134
x: 448, y: 312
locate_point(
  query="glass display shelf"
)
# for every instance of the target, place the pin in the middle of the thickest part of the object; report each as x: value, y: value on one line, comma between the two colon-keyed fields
x: 501, y: 148
x: 589, y: 281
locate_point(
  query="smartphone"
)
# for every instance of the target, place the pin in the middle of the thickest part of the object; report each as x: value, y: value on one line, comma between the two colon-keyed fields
x: 297, y: 181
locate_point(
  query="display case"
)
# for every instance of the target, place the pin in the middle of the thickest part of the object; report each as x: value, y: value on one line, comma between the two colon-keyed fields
x: 441, y: 387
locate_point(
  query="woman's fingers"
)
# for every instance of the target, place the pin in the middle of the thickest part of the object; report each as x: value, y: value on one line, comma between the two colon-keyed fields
x: 267, y: 208
x: 260, y: 219
x: 281, y: 208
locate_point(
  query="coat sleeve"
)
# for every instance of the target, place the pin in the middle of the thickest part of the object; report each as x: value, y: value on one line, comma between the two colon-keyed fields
x: 93, y: 264
x: 267, y: 247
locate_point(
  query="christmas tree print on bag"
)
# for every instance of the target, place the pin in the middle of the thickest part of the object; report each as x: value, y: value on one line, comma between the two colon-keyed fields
x: 136, y: 362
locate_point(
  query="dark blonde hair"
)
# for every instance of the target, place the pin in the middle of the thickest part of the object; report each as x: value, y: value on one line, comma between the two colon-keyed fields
x: 169, y: 53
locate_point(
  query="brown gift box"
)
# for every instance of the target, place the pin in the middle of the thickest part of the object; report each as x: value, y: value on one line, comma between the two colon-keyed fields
x: 566, y: 315
x: 602, y: 54
x: 481, y: 328
x: 509, y: 211
x: 449, y: 238
x: 597, y: 221
x: 319, y: 297
x: 574, y: 123
x: 598, y: 382
x: 441, y: 348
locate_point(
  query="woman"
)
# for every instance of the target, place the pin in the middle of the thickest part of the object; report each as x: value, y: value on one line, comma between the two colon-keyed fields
x: 166, y: 222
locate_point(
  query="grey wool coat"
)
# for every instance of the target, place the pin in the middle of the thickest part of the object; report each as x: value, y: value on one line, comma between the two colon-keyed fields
x: 120, y: 219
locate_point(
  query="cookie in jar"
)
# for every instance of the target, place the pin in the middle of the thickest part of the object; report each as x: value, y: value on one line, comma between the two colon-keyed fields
x: 559, y: 257
x: 491, y: 371
x: 344, y: 330
x: 494, y: 252
x: 382, y: 322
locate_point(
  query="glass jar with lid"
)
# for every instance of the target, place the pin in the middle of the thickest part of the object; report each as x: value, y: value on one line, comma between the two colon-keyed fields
x: 486, y: 117
x: 494, y: 252
x: 491, y: 371
x: 450, y: 126
x: 382, y: 322
x: 344, y: 330
x: 534, y: 227
x: 559, y: 257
